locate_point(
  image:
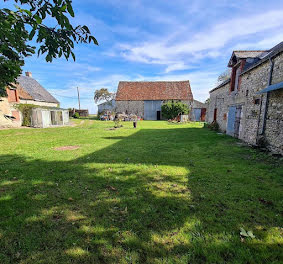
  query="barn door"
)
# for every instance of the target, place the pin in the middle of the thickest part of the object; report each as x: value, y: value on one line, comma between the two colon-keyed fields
x: 150, y: 109
x: 234, y: 120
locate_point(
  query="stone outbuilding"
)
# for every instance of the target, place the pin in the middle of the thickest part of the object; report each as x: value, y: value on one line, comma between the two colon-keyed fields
x: 145, y: 99
x: 249, y: 105
x: 106, y: 106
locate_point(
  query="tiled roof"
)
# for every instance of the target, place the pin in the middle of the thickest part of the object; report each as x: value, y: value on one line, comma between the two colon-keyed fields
x: 140, y: 91
x: 32, y: 89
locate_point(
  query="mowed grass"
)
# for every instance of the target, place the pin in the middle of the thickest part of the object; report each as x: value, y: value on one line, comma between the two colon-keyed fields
x: 161, y: 193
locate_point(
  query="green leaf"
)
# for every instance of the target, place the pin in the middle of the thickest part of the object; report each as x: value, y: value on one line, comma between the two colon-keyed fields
x: 63, y: 8
x: 31, y: 34
x: 73, y: 55
x: 70, y: 9
x: 86, y: 29
x: 48, y: 58
x: 38, y: 19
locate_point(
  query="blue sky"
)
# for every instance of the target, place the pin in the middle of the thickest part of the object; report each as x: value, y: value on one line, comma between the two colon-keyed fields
x: 158, y: 40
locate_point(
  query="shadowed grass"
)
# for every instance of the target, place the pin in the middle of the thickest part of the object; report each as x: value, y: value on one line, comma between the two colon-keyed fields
x: 162, y: 193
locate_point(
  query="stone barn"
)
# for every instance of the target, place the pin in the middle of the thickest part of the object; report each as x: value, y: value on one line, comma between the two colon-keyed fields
x: 145, y: 99
x: 249, y: 105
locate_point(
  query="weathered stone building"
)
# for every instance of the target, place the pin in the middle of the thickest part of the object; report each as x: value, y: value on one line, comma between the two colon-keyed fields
x: 249, y: 105
x: 145, y: 99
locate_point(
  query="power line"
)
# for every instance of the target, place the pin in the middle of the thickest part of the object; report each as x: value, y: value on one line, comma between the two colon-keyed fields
x: 76, y: 98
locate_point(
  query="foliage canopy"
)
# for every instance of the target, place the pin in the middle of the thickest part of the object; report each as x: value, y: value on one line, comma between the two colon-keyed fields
x: 171, y: 110
x: 46, y: 22
x: 103, y: 95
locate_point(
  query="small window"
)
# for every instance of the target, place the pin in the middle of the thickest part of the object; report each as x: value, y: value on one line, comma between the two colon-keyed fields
x: 257, y: 101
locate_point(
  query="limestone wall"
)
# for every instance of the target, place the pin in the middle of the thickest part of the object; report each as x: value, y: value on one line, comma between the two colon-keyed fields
x: 218, y: 100
x: 130, y: 107
x: 274, y: 122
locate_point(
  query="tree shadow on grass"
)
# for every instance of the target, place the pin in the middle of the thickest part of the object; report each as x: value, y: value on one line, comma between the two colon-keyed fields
x: 167, y: 195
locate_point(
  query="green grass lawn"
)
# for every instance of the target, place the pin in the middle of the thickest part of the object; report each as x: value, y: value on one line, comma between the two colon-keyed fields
x: 163, y: 193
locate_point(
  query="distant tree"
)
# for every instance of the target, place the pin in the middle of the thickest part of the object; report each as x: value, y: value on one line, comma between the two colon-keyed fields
x: 103, y: 95
x: 45, y: 21
x: 207, y: 101
x: 171, y: 110
x: 224, y: 76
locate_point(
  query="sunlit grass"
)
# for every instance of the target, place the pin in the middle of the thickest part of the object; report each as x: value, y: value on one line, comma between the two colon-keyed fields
x: 161, y: 193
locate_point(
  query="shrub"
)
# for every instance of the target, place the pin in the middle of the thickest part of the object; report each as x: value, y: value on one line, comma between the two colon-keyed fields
x: 26, y: 110
x: 213, y: 126
x: 171, y: 110
x: 76, y: 115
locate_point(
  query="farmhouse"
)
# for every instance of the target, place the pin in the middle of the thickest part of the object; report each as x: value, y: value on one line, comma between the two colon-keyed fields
x: 249, y: 105
x: 26, y: 91
x: 31, y: 92
x: 145, y: 99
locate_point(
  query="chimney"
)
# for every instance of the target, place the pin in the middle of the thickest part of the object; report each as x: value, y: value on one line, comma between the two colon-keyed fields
x: 28, y: 74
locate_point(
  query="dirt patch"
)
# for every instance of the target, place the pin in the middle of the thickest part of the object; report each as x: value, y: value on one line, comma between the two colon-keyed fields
x: 67, y: 148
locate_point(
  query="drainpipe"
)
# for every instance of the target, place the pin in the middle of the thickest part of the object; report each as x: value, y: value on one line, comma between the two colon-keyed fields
x: 267, y: 97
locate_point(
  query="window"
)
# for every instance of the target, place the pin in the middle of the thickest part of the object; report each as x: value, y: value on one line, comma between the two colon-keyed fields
x: 225, y: 116
x: 247, y: 92
x: 257, y: 101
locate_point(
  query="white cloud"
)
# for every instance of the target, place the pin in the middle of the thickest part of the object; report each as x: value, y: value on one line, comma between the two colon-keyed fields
x: 203, y: 44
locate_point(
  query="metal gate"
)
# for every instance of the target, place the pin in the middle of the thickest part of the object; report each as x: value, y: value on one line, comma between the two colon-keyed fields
x: 234, y: 120
x: 151, y: 108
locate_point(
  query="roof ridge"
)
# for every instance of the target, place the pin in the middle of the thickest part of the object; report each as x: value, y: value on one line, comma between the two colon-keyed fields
x: 249, y: 50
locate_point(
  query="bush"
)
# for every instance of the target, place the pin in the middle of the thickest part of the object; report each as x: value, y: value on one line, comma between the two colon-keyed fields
x: 213, y: 126
x: 171, y: 110
x: 26, y: 110
x: 76, y: 115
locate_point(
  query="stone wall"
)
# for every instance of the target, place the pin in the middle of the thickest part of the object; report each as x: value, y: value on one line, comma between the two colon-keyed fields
x: 137, y: 107
x: 218, y: 100
x: 274, y: 122
x: 130, y: 107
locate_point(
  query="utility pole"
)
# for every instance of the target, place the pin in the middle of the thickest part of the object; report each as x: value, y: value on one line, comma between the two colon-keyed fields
x: 79, y: 98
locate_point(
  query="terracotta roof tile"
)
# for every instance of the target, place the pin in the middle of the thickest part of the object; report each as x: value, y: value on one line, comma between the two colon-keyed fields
x: 140, y: 91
